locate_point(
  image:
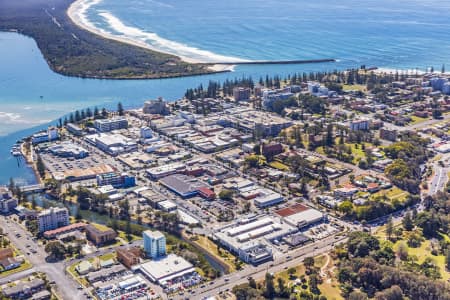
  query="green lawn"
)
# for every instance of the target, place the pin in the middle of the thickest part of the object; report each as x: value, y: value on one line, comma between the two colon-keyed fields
x: 279, y: 166
x: 354, y: 87
x: 417, y: 120
x: 392, y: 193
x: 25, y: 266
x: 423, y: 252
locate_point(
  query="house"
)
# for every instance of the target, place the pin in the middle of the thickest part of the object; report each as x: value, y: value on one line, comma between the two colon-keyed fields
x: 84, y: 267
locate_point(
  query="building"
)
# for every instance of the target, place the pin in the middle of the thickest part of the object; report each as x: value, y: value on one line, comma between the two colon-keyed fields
x: 241, y: 93
x: 272, y: 149
x: 166, y: 269
x: 300, y: 216
x: 167, y: 206
x: 53, y: 218
x: 68, y: 149
x: 360, y: 124
x: 99, y: 236
x: 146, y: 133
x: 113, y: 144
x: 23, y: 289
x: 154, y: 244
x: 389, y: 135
x: 7, y: 202
x: 130, y: 256
x: 265, y: 198
x: 105, y: 125
x: 183, y: 185
x: 116, y: 180
x: 74, y: 129
x: 250, y: 238
x: 156, y: 107
x: 50, y: 234
x: 84, y: 267
x: 49, y: 135
x: 6, y: 252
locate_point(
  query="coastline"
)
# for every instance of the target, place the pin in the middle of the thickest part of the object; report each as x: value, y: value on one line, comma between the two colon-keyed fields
x: 73, y: 12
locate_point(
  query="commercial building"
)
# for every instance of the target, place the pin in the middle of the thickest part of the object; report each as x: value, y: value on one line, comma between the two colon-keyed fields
x: 266, y: 198
x: 68, y: 149
x: 241, y: 93
x: 300, y: 216
x: 49, y: 135
x: 130, y: 256
x: 116, y: 180
x: 154, y: 244
x: 166, y: 269
x: 183, y: 185
x: 53, y: 218
x: 167, y: 206
x: 158, y: 107
x: 113, y: 144
x: 165, y: 170
x: 250, y: 238
x: 7, y: 202
x: 99, y: 236
x: 106, y: 125
x: 74, y: 129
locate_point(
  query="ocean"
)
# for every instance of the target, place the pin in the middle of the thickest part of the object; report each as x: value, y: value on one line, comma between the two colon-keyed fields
x: 397, y: 35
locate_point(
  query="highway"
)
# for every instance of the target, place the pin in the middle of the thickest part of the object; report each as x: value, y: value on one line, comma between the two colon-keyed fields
x: 293, y: 258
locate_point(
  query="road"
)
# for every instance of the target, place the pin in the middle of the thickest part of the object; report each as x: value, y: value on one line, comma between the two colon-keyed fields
x: 258, y: 272
x: 65, y: 286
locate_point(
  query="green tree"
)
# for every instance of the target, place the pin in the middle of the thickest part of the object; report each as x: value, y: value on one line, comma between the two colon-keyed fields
x: 55, y: 249
x: 269, y: 286
x: 120, y: 110
x: 40, y: 166
x: 407, y: 222
x: 389, y: 228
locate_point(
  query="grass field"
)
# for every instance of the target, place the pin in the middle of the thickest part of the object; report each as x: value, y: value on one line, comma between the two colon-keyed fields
x: 354, y: 87
x: 279, y: 166
x: 417, y: 120
x: 392, y: 193
x: 423, y: 252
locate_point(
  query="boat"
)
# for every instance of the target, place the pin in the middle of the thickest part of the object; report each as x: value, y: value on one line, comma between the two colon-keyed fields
x: 16, y: 150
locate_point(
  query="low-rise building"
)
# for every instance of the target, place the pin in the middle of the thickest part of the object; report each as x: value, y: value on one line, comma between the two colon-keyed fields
x: 98, y: 236
x: 106, y: 125
x: 165, y: 269
x: 130, y: 256
x: 116, y: 180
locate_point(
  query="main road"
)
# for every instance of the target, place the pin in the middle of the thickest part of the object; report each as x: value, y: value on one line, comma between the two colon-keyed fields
x: 65, y: 286
x: 291, y: 259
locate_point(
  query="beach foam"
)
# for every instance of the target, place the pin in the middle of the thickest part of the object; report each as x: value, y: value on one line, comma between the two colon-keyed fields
x: 136, y: 36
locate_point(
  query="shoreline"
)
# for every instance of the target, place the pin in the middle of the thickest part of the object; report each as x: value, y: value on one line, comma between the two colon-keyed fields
x: 73, y: 14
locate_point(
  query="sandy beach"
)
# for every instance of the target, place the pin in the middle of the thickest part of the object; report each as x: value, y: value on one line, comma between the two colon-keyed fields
x: 76, y: 14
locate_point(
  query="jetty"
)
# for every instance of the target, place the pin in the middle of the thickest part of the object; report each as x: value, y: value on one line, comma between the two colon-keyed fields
x: 276, y: 62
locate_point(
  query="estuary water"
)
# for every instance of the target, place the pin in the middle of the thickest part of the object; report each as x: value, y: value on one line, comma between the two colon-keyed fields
x: 402, y: 34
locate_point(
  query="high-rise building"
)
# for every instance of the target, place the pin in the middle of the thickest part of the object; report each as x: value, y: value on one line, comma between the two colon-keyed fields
x: 154, y: 243
x: 53, y: 218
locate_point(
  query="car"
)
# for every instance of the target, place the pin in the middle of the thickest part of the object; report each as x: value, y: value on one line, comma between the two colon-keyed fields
x: 80, y: 287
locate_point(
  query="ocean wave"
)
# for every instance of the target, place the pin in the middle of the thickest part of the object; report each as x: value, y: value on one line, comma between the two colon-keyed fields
x: 145, y: 38
x: 162, y: 44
